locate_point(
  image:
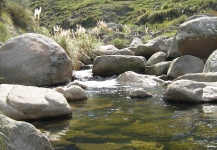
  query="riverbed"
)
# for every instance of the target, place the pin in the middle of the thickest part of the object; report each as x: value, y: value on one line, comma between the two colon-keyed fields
x: 110, y: 120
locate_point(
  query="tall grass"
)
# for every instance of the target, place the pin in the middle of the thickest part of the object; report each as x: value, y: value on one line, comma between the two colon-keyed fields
x: 76, y: 42
x: 4, y: 32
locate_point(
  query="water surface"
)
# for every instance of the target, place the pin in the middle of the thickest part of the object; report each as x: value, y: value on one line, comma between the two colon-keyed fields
x: 109, y: 120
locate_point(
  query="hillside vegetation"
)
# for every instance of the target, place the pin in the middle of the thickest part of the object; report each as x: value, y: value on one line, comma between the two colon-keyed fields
x: 88, y: 12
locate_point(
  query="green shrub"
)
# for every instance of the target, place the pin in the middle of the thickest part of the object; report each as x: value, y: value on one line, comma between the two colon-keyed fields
x: 120, y: 43
x: 4, y: 32
x: 76, y: 42
x: 20, y: 16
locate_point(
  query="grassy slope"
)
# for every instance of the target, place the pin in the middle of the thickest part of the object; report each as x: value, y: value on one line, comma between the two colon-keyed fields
x: 88, y: 12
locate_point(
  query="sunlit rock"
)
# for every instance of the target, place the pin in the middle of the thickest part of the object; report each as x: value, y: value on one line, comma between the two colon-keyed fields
x: 185, y: 64
x: 117, y: 64
x: 33, y: 59
x: 191, y: 92
x: 32, y: 103
x: 21, y: 135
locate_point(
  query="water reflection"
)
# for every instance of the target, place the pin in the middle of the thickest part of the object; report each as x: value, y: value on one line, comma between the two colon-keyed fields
x: 110, y: 120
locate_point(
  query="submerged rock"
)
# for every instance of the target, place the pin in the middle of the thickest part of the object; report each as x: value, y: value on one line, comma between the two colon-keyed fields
x: 191, y: 92
x: 117, y: 64
x: 32, y: 103
x: 132, y: 77
x: 33, y: 59
x: 21, y: 135
x: 139, y: 93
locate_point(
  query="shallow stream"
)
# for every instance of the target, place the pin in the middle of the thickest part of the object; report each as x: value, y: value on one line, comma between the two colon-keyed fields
x: 109, y: 120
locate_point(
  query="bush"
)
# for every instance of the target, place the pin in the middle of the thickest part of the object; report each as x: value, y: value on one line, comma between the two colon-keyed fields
x: 76, y: 42
x: 4, y: 32
x: 20, y: 16
x: 120, y: 43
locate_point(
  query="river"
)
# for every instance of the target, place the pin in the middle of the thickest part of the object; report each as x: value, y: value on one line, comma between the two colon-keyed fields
x: 109, y: 120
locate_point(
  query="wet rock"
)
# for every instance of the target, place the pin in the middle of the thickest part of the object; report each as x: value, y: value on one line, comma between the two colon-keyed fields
x: 157, y: 58
x: 191, y: 91
x: 199, y: 77
x: 151, y: 47
x: 211, y: 63
x: 158, y: 69
x: 32, y: 103
x: 74, y: 93
x: 21, y: 135
x: 34, y: 60
x: 139, y: 93
x: 198, y: 37
x: 117, y: 64
x: 132, y: 77
x: 185, y: 64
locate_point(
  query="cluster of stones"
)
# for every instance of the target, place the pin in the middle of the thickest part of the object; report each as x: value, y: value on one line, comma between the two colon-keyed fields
x: 31, y: 61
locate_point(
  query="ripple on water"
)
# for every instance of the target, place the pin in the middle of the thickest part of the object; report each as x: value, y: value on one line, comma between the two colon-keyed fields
x: 109, y: 120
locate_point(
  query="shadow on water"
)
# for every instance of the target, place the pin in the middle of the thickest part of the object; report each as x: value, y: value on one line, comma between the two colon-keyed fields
x: 110, y: 120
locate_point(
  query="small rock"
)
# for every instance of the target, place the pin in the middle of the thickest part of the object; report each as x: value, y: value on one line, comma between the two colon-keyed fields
x: 74, y: 93
x: 139, y: 93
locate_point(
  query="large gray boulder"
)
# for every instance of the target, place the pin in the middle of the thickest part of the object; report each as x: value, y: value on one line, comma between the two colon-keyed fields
x: 131, y: 77
x: 198, y: 37
x: 32, y: 103
x: 199, y: 77
x: 33, y: 59
x: 117, y: 64
x: 157, y: 58
x: 191, y: 91
x: 211, y: 63
x: 19, y: 135
x: 183, y: 65
x: 151, y: 47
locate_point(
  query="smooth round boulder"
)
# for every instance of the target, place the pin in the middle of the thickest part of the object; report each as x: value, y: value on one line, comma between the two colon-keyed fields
x: 32, y: 103
x: 131, y: 77
x: 198, y: 37
x: 157, y: 58
x: 211, y: 63
x: 183, y: 65
x: 75, y: 93
x: 191, y: 92
x: 117, y: 64
x: 21, y: 135
x: 199, y: 77
x: 139, y: 93
x: 158, y: 69
x: 33, y: 59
